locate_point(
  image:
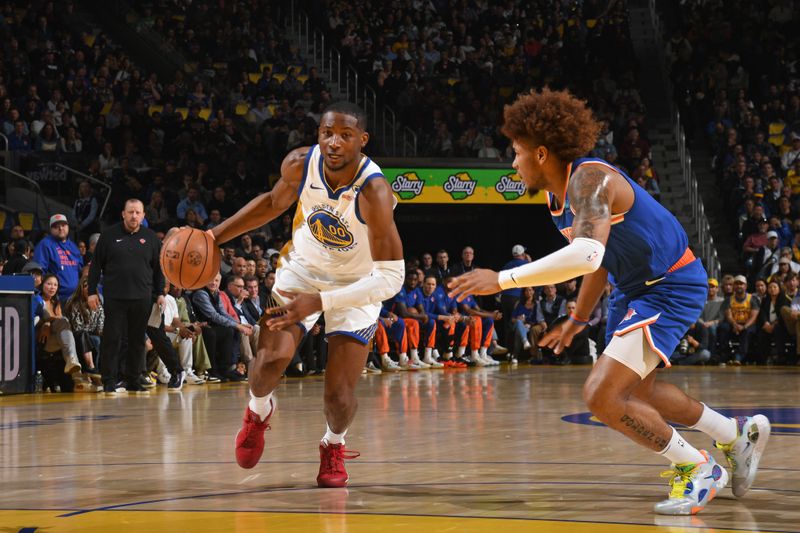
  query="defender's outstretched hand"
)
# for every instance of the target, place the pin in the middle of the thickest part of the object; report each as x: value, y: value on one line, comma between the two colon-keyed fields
x: 560, y: 336
x: 299, y: 306
x: 478, y: 281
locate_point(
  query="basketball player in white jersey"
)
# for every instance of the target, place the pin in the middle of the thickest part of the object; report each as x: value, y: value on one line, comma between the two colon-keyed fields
x: 345, y: 257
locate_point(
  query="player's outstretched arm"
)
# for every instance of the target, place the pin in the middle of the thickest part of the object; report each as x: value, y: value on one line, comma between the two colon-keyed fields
x: 269, y: 205
x: 591, y: 193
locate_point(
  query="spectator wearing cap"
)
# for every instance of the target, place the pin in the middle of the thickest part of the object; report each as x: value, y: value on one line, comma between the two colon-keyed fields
x: 766, y: 256
x: 59, y: 255
x: 22, y: 254
x: 779, y: 272
x: 509, y: 298
x: 712, y: 315
x: 741, y: 312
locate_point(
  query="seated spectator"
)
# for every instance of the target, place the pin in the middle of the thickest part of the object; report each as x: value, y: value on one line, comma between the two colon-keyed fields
x: 86, y: 211
x: 22, y: 253
x: 248, y: 343
x: 741, y: 312
x: 192, y: 201
x: 156, y: 212
x: 693, y: 348
x: 521, y: 322
x: 18, y: 140
x: 772, y: 334
x: 710, y: 317
x: 71, y: 142
x: 548, y: 308
x: 578, y: 351
x: 86, y: 325
x: 218, y: 332
x: 55, y: 335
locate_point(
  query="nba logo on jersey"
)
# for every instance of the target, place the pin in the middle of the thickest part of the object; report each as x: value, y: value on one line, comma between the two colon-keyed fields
x: 629, y: 314
x: 329, y: 230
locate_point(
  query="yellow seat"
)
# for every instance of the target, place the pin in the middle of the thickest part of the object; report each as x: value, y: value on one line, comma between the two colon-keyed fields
x: 272, y: 108
x: 296, y: 68
x: 776, y: 128
x: 184, y: 111
x: 3, y: 219
x: 266, y: 65
x: 777, y: 140
x: 591, y: 23
x: 89, y: 40
x: 254, y: 77
x: 204, y: 113
x: 106, y: 108
x: 302, y: 78
x: 279, y: 77
x: 26, y: 220
x: 452, y: 81
x: 221, y: 66
x: 155, y: 109
x: 179, y: 18
x: 242, y: 108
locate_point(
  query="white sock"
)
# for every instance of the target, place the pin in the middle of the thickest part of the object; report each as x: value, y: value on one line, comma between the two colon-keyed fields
x: 428, y: 352
x: 719, y: 427
x: 333, y: 438
x: 483, y: 352
x: 461, y: 350
x: 435, y: 354
x: 448, y: 355
x: 679, y: 451
x: 414, y: 354
x: 261, y: 405
x: 403, y: 358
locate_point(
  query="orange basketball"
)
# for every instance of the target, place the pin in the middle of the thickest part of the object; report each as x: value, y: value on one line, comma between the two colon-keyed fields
x: 189, y: 258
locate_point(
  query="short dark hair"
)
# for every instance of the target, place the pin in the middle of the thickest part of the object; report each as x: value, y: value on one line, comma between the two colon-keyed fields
x: 248, y: 278
x: 348, y: 108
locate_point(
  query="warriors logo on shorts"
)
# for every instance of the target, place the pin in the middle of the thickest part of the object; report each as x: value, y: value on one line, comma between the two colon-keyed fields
x: 329, y: 230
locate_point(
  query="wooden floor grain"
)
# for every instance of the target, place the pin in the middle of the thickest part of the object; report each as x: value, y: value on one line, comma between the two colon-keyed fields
x: 461, y: 450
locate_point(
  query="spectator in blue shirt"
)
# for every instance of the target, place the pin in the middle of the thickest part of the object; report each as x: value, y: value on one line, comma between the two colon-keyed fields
x: 192, y: 201
x: 509, y: 298
x: 60, y: 256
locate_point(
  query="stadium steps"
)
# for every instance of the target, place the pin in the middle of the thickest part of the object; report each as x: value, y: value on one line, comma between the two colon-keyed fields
x: 655, y: 93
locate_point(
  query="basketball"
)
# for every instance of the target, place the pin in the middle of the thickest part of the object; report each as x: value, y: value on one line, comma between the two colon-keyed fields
x: 189, y: 258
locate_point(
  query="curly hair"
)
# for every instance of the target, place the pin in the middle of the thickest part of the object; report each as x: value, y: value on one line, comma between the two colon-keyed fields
x: 555, y: 119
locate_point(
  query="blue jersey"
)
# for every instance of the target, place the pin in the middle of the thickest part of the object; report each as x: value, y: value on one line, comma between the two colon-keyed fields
x: 409, y: 298
x: 444, y: 304
x: 430, y: 304
x: 645, y: 243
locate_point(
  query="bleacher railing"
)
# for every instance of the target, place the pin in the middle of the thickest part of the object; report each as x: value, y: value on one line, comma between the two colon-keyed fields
x: 705, y: 241
x: 398, y: 140
x: 16, y: 188
x: 5, y: 141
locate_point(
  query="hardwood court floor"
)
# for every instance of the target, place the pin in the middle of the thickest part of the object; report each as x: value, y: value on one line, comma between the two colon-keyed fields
x: 464, y: 450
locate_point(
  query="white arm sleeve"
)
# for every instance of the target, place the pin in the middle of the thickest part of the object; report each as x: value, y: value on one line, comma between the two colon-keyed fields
x: 581, y: 256
x: 385, y: 281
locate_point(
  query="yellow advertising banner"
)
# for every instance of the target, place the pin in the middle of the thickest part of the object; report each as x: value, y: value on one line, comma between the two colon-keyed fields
x: 459, y: 186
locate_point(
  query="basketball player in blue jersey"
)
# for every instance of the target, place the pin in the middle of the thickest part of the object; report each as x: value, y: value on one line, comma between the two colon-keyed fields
x: 617, y: 232
x: 344, y: 258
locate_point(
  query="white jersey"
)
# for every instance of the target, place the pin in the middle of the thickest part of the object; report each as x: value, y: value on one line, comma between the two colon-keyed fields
x: 329, y: 237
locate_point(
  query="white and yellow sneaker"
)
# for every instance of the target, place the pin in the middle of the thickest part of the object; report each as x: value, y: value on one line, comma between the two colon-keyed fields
x: 744, y: 453
x: 693, y: 486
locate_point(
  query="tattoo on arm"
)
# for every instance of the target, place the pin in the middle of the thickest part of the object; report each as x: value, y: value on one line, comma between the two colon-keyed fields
x: 588, y: 193
x: 639, y: 428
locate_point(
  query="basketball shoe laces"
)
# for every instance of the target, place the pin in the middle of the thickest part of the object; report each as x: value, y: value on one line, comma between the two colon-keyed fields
x: 253, y: 429
x: 679, y: 476
x: 335, y: 457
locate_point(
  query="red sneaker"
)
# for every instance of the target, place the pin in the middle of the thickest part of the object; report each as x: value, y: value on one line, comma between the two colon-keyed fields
x: 250, y: 439
x: 332, y: 472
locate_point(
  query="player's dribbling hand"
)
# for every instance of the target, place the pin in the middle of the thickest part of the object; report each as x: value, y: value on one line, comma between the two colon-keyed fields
x: 478, y: 281
x: 560, y: 336
x: 299, y: 306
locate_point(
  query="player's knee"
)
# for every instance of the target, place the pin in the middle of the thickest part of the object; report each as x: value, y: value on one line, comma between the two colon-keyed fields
x: 340, y: 399
x: 597, y: 397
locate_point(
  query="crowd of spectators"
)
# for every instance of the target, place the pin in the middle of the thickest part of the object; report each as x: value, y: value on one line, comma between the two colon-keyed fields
x: 733, y: 68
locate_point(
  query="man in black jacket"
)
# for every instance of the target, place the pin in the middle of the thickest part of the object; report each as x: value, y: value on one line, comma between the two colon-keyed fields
x: 127, y: 256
